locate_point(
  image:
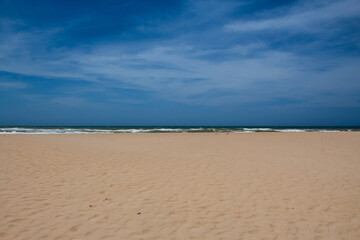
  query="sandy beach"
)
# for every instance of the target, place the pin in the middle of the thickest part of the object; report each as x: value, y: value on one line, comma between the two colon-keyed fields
x: 180, y: 186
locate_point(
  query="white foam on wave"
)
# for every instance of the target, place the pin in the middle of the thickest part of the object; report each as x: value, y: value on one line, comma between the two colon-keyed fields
x: 332, y: 130
x: 27, y: 130
x: 258, y: 129
x: 17, y: 130
x: 195, y: 129
x: 290, y: 130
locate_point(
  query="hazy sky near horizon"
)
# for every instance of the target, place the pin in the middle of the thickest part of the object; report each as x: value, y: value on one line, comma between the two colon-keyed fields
x: 200, y: 62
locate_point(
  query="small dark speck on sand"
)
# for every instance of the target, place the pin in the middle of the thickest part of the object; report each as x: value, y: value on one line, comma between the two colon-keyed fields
x: 138, y: 213
x: 292, y: 208
x: 90, y: 205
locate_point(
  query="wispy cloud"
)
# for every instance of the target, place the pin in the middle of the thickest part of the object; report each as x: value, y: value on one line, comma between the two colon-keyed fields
x: 12, y: 85
x: 308, y: 16
x: 199, y: 59
x: 68, y: 101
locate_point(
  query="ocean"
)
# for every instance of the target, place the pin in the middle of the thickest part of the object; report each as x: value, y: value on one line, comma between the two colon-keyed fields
x: 166, y: 129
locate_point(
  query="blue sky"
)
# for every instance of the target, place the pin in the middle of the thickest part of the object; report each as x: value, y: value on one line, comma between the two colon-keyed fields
x: 180, y: 62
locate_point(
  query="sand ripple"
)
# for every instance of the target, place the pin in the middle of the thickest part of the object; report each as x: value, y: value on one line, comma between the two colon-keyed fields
x: 180, y: 186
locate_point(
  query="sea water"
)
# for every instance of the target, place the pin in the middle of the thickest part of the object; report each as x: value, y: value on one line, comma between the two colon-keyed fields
x: 166, y: 129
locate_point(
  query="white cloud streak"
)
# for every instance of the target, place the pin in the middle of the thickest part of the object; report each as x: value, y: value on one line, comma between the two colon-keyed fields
x: 12, y: 85
x: 167, y: 70
x: 309, y: 17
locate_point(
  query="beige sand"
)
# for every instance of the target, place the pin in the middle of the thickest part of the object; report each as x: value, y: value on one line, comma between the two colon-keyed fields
x: 180, y: 186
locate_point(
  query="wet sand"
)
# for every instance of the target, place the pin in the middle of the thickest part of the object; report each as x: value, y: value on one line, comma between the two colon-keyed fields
x: 180, y: 186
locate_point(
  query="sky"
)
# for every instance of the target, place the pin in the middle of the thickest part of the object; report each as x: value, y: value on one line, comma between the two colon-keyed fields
x: 180, y: 63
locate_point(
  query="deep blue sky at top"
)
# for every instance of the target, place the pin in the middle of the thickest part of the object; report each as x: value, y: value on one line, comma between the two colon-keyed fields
x: 200, y: 62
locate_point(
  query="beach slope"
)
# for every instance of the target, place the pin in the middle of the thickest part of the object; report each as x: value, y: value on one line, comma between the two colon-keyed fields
x: 180, y: 186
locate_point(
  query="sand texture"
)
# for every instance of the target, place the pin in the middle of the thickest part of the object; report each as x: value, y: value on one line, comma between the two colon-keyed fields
x: 180, y: 186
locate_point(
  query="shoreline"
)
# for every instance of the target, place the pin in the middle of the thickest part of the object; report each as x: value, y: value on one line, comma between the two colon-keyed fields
x: 111, y: 133
x: 79, y: 130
